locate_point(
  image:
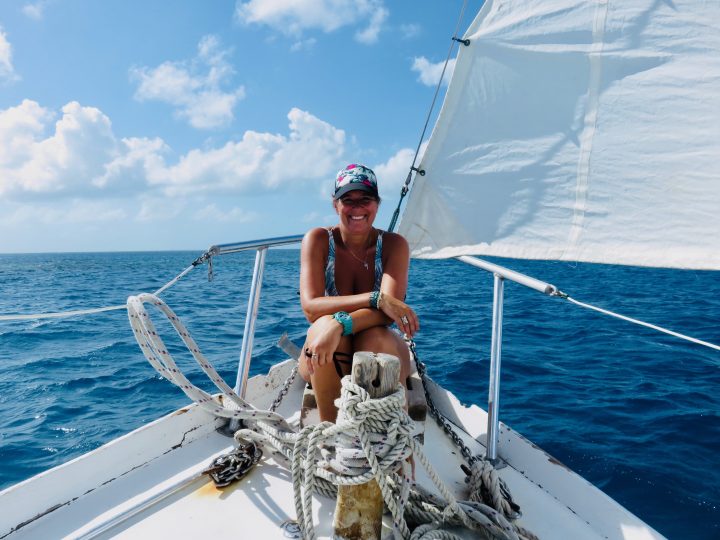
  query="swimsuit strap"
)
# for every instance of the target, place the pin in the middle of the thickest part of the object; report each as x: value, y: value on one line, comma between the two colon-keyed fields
x: 330, y: 288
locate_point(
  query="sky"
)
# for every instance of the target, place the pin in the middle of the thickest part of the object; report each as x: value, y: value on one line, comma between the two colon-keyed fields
x: 163, y: 125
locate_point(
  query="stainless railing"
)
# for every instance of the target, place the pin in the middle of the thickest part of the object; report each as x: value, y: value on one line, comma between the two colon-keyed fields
x: 500, y: 275
x: 254, y: 299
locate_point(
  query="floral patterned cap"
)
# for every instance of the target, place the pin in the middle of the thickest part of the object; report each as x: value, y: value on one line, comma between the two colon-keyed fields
x: 355, y: 177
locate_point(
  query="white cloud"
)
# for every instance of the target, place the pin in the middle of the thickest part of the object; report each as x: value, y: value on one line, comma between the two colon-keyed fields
x: 7, y: 71
x: 65, y: 161
x: 76, y: 211
x: 159, y: 209
x: 34, y: 10
x: 80, y: 156
x: 392, y: 174
x: 212, y: 213
x: 410, y: 30
x: 293, y: 17
x: 259, y: 161
x: 193, y: 87
x: 429, y: 73
x: 303, y: 45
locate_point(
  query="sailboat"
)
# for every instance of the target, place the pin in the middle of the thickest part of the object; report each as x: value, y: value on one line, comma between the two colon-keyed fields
x: 577, y: 131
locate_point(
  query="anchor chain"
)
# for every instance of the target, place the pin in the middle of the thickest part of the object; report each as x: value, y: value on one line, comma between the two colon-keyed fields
x: 233, y: 466
x: 444, y: 422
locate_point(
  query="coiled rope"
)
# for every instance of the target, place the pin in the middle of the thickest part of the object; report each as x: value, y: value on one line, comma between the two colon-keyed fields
x: 372, y: 439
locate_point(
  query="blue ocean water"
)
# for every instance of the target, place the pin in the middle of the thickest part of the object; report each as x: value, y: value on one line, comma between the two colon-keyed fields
x: 633, y: 411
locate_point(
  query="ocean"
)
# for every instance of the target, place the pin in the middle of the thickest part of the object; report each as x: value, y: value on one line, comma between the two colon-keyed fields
x: 635, y: 412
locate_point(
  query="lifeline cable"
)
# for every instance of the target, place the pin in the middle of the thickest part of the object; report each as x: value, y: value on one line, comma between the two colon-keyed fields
x: 406, y: 186
x: 641, y: 323
x: 73, y: 313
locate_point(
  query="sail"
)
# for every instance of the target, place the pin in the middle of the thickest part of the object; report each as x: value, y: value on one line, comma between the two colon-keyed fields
x: 578, y: 130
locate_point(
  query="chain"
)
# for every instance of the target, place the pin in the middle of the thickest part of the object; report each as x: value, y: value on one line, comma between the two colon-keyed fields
x: 444, y: 422
x: 230, y: 467
x: 285, y: 388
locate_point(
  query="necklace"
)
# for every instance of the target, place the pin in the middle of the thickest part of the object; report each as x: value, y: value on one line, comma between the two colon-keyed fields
x: 358, y: 259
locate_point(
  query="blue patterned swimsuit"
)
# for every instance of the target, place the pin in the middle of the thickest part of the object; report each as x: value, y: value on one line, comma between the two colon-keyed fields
x: 330, y: 289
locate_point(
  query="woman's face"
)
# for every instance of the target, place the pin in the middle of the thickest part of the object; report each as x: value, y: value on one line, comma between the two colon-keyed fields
x: 357, y: 210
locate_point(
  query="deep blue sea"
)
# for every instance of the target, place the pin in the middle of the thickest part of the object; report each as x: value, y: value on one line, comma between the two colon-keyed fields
x: 634, y: 411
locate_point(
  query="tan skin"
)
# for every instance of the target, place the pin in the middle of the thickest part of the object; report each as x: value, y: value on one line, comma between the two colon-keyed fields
x: 355, y: 242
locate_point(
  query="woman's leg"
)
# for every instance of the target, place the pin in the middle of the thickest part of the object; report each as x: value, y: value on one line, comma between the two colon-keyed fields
x: 326, y: 380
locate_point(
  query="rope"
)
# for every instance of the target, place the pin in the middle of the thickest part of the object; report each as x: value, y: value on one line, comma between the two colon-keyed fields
x: 371, y: 439
x: 406, y: 186
x: 641, y: 323
x: 73, y: 313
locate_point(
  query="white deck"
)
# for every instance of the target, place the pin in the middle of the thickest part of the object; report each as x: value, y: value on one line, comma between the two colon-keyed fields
x: 99, y: 495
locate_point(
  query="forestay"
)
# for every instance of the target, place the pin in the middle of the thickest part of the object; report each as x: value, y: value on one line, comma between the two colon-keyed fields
x: 578, y: 130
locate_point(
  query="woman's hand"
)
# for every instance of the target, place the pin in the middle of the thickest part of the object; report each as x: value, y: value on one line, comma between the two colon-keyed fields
x: 322, y: 341
x: 403, y: 315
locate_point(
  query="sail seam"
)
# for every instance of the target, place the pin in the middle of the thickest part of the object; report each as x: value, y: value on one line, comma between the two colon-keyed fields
x: 588, y: 133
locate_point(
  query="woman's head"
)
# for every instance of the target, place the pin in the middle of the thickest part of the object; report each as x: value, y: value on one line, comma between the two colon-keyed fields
x: 356, y: 177
x: 356, y: 197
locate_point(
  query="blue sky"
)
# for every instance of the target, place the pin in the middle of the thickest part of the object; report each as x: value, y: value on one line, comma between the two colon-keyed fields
x: 176, y: 125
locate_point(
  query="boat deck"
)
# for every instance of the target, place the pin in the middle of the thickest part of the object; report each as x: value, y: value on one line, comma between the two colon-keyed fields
x: 147, y: 484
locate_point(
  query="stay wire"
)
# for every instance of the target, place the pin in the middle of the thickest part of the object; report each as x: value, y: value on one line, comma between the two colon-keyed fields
x: 408, y: 179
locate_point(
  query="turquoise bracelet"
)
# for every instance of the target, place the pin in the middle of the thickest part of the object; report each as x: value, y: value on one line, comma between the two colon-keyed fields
x: 374, y: 299
x: 344, y: 318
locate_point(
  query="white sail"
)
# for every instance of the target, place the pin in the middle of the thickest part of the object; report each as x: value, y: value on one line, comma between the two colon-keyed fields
x: 578, y: 130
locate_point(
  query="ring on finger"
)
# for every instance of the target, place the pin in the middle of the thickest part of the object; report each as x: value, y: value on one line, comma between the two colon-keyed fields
x: 404, y: 319
x: 314, y: 356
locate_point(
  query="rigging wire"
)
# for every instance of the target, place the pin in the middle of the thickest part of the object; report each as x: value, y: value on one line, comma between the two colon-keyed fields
x: 641, y: 323
x: 406, y: 186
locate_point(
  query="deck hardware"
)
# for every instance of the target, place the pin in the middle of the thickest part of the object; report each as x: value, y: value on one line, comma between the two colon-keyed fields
x: 465, y: 42
x: 233, y: 466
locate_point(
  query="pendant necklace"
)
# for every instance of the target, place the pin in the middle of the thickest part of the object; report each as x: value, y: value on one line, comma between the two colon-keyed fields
x: 358, y: 259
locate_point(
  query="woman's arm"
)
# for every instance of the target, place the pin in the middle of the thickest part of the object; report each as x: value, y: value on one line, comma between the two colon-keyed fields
x: 313, y: 258
x: 396, y: 260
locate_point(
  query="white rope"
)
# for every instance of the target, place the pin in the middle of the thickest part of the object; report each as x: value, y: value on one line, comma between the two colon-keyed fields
x: 371, y: 440
x: 73, y: 313
x: 643, y: 323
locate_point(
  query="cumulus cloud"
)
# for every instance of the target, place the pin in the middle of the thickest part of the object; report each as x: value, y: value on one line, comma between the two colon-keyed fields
x: 410, y: 30
x: 293, y: 17
x: 76, y: 152
x: 429, y: 73
x: 258, y: 161
x: 193, y: 87
x: 392, y: 174
x: 7, y: 71
x: 78, y: 155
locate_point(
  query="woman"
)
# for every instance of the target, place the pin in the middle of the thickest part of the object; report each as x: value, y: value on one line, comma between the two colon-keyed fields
x: 352, y: 278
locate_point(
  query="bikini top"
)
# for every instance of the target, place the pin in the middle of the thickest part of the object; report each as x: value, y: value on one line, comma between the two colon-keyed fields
x: 330, y: 289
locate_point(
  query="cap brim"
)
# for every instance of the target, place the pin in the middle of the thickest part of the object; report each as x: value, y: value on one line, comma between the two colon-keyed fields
x: 357, y: 186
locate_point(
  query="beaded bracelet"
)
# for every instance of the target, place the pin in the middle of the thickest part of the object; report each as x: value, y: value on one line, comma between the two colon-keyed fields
x: 344, y: 318
x: 375, y: 299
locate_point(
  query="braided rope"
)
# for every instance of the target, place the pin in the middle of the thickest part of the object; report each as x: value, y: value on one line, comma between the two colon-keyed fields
x: 372, y: 439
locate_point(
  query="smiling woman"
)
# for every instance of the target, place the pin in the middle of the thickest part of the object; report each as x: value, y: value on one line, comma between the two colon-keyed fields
x: 349, y: 302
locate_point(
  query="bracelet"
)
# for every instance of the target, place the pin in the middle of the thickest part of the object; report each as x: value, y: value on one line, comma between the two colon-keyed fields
x: 375, y: 299
x: 345, y: 320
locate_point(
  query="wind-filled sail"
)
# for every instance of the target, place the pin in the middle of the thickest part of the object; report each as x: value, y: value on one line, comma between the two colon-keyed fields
x: 578, y: 130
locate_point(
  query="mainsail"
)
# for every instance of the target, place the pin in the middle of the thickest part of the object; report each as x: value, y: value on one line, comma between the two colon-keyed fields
x: 578, y: 130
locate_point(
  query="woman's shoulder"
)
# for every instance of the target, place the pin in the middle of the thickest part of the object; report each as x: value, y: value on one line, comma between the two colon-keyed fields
x: 391, y: 239
x: 316, y: 239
